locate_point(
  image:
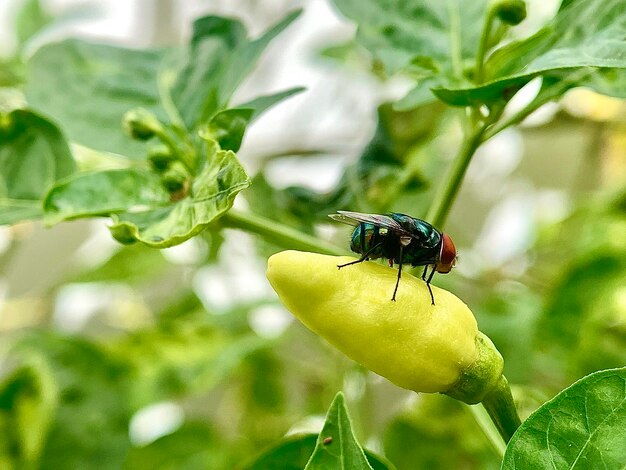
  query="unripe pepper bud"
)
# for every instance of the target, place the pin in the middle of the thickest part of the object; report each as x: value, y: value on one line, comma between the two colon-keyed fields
x: 160, y: 158
x: 141, y: 124
x: 416, y: 345
x: 175, y: 177
x: 511, y: 12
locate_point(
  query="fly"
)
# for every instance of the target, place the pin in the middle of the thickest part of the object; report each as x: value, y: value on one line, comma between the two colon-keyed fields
x: 400, y: 239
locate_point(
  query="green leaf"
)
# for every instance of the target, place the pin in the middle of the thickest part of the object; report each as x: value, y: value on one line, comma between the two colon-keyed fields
x: 31, y: 19
x: 244, y: 59
x: 262, y: 103
x: 417, y: 96
x: 584, y: 35
x: 403, y: 34
x: 611, y: 82
x: 336, y: 445
x: 11, y: 76
x: 33, y: 155
x: 28, y: 401
x: 88, y: 87
x: 142, y: 209
x: 219, y: 58
x: 194, y: 446
x: 136, y: 264
x: 211, y: 194
x: 103, y: 193
x: 194, y: 91
x: 583, y: 427
x: 229, y: 126
x: 427, y: 39
x: 293, y: 453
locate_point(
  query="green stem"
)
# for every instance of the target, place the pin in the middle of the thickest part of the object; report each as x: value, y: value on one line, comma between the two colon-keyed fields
x: 440, y: 208
x: 483, y: 45
x: 455, y: 39
x: 483, y: 420
x: 438, y: 212
x: 501, y: 409
x: 278, y: 233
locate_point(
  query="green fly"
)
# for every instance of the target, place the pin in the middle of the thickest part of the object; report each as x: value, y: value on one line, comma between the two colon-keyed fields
x: 400, y: 239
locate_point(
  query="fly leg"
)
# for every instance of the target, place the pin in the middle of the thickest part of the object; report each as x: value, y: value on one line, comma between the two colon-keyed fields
x: 424, y: 273
x: 393, y: 298
x: 432, y: 273
x: 364, y: 257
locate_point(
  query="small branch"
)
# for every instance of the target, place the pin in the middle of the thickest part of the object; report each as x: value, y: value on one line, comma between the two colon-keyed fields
x: 278, y: 233
x: 501, y: 409
x: 483, y: 45
x: 455, y: 39
x: 440, y: 208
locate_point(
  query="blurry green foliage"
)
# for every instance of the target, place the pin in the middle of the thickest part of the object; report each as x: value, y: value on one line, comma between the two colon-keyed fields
x: 68, y: 401
x: 437, y: 432
x: 192, y: 446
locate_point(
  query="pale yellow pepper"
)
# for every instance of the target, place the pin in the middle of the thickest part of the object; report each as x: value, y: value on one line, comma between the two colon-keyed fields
x: 416, y: 345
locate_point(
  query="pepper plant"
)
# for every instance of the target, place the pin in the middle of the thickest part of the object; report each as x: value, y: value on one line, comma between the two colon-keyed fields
x: 149, y: 140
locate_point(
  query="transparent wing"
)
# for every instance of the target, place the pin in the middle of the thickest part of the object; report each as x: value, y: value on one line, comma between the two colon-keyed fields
x: 355, y: 218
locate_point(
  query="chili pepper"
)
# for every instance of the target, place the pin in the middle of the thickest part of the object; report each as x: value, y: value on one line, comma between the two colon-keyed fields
x: 416, y: 345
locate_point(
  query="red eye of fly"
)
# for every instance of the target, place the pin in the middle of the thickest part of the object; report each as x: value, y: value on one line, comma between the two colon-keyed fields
x: 447, y: 256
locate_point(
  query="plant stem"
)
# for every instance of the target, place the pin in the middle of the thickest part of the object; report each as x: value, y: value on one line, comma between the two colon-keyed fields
x: 482, y: 46
x: 501, y: 409
x: 483, y: 420
x: 455, y: 39
x: 440, y: 208
x: 278, y: 233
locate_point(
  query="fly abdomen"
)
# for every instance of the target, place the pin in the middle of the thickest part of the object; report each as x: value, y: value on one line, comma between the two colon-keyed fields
x: 367, y: 238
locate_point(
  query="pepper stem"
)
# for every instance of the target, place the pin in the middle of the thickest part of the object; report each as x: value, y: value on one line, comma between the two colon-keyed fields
x: 278, y: 233
x: 501, y: 409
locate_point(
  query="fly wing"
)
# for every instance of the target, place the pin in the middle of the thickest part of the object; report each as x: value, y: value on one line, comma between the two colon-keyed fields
x: 343, y: 219
x: 355, y: 218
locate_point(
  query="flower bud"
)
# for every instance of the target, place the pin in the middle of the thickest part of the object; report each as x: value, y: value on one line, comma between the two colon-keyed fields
x: 511, y: 12
x: 416, y: 345
x: 141, y: 124
x: 175, y: 177
x: 160, y: 158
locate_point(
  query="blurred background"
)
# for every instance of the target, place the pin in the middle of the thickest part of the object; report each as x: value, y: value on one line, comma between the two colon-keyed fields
x: 127, y: 356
